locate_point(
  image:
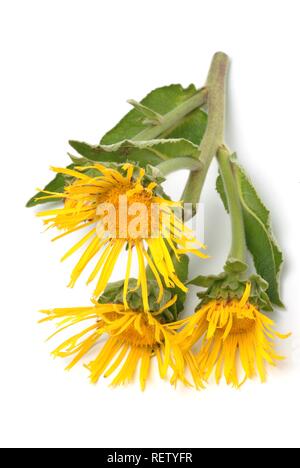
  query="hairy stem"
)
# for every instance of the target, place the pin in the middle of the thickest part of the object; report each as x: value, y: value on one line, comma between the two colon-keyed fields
x: 214, y: 135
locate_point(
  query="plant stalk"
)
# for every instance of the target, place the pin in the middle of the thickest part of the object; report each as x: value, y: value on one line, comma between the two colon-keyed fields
x: 238, y: 246
x: 214, y: 134
x: 176, y: 164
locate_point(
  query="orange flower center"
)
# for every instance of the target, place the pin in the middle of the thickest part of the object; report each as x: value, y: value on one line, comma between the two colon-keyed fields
x: 144, y: 336
x: 242, y: 325
x: 126, y: 213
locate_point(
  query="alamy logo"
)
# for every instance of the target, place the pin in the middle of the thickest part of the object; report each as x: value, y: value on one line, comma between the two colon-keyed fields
x: 127, y: 220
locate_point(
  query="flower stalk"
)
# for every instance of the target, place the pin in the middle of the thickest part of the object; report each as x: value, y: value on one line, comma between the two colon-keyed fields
x: 214, y: 135
x: 238, y: 246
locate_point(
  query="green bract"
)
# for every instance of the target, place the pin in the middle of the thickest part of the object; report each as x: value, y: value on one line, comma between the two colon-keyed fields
x: 114, y: 295
x: 229, y: 286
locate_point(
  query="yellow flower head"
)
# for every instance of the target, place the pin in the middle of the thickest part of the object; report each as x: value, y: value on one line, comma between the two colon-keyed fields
x: 133, y: 337
x: 234, y: 333
x: 121, y: 208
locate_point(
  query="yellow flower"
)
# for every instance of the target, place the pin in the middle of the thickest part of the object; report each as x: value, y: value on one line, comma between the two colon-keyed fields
x: 133, y: 337
x: 230, y: 330
x: 88, y: 202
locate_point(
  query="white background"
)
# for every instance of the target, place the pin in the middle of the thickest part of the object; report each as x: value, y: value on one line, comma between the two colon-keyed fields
x: 66, y: 70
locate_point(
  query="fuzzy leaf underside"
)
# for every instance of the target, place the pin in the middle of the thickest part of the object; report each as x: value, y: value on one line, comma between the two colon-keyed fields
x: 260, y: 240
x: 144, y: 152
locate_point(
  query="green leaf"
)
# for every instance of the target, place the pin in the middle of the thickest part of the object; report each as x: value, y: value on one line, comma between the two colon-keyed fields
x: 192, y: 127
x: 181, y: 267
x: 145, y: 152
x: 260, y: 240
x: 182, y: 271
x: 221, y: 191
x: 161, y: 101
x: 156, y: 104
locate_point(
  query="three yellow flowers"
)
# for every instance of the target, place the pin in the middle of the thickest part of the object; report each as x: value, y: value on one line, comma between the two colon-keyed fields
x: 134, y: 337
x: 113, y: 198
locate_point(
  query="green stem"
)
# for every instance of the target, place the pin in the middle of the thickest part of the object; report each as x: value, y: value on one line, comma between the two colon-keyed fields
x: 174, y: 116
x: 238, y: 246
x: 214, y: 134
x: 176, y: 164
